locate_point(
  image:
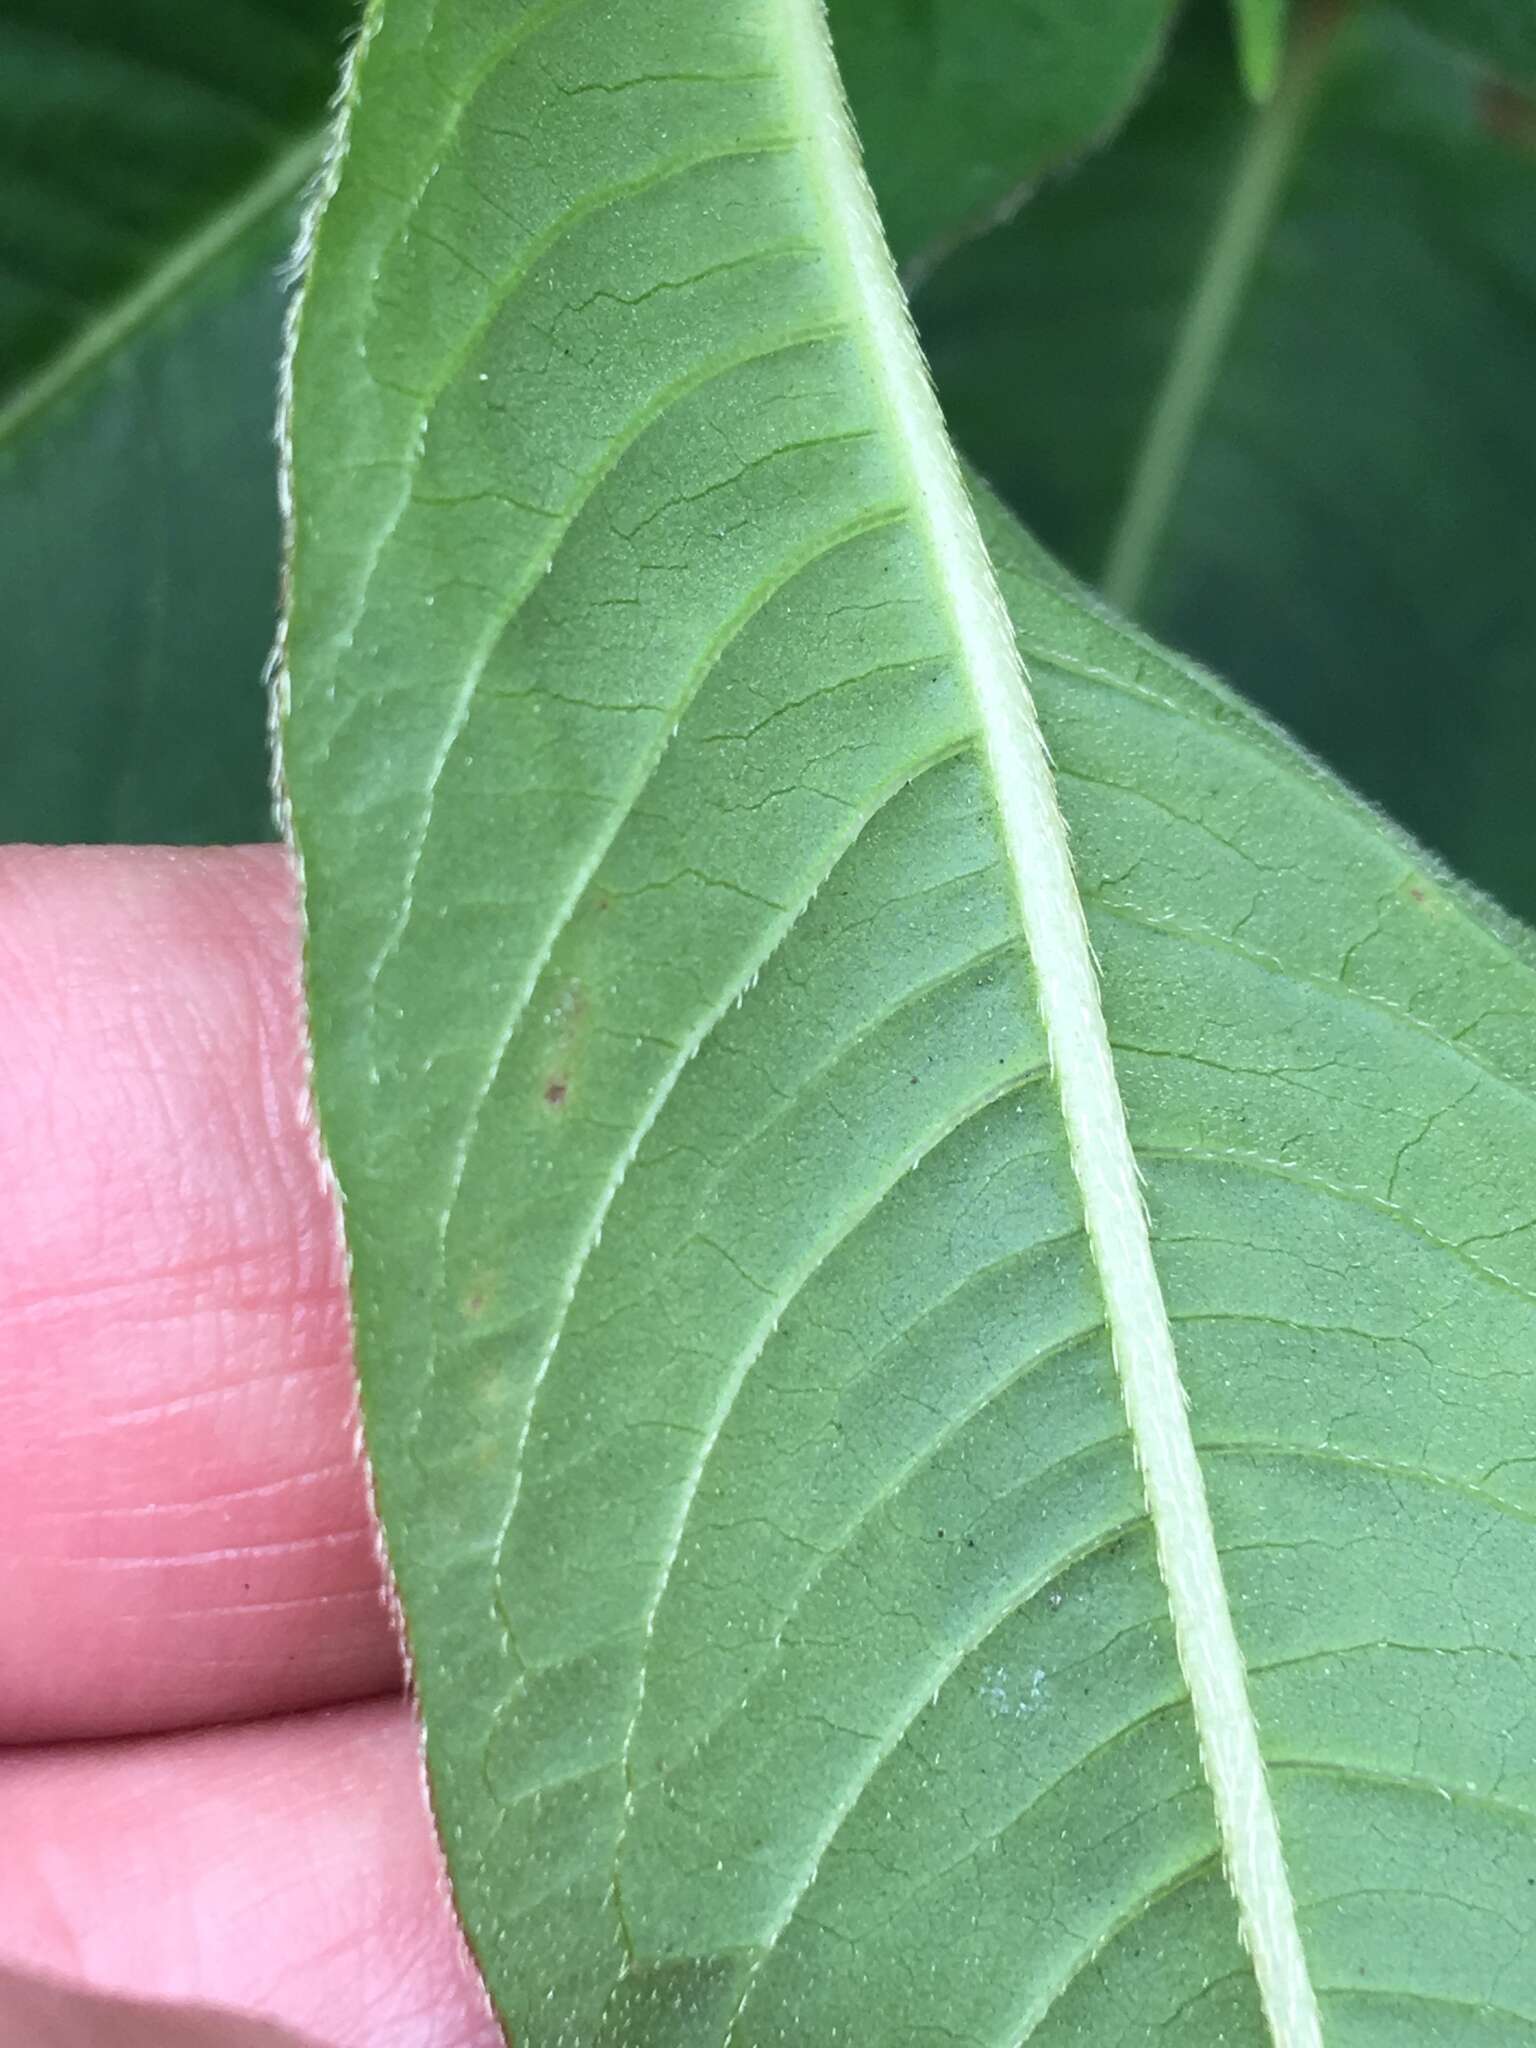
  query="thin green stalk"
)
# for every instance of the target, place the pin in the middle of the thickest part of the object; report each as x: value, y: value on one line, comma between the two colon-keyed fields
x: 1274, y: 132
x: 173, y: 272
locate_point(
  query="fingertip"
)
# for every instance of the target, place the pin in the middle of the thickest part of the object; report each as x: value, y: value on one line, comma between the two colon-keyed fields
x: 288, y: 1868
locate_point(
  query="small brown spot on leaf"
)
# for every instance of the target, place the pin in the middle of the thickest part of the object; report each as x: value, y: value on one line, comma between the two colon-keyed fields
x: 555, y: 1093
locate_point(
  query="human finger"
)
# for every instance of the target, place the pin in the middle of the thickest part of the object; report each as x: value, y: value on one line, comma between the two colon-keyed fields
x: 184, y: 1526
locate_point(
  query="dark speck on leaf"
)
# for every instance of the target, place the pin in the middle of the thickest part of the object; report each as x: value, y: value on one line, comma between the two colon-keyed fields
x: 555, y: 1094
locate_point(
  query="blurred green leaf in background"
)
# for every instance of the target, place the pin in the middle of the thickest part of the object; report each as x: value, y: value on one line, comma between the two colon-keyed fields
x: 1352, y: 538
x: 963, y: 107
x: 1500, y: 32
x: 151, y: 157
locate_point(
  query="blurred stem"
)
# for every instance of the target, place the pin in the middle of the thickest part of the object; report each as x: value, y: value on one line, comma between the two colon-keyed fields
x: 173, y: 273
x: 1269, y: 149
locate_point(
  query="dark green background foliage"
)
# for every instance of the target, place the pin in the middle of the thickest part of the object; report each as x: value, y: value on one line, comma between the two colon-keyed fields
x: 1352, y: 542
x: 151, y: 155
x: 1355, y: 541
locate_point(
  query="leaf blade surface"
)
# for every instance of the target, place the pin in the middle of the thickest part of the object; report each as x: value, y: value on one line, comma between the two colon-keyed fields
x: 788, y: 1628
x: 153, y: 162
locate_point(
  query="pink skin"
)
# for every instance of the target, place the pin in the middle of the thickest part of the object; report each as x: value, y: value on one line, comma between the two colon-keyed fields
x: 210, y: 1790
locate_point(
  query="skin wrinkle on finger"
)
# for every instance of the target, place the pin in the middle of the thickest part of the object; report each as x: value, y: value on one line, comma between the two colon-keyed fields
x: 194, y: 1503
x: 184, y: 1529
x: 286, y: 1868
x: 157, y: 1411
x: 46, y: 2014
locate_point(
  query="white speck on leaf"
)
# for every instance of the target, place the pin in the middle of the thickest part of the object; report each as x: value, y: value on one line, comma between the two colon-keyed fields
x: 1003, y: 1702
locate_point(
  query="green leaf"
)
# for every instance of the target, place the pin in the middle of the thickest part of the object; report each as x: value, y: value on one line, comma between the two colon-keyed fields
x: 150, y: 161
x: 963, y: 106
x: 1260, y: 29
x: 763, y: 1363
x: 1501, y: 32
x: 148, y: 168
x: 1351, y: 535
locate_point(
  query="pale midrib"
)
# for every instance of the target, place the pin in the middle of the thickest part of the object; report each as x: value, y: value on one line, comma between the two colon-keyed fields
x: 182, y: 263
x: 1035, y: 839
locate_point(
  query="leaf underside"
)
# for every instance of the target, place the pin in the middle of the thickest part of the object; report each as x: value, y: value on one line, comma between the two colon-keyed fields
x: 150, y: 164
x: 792, y: 1649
